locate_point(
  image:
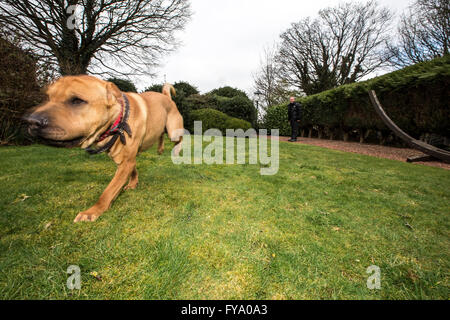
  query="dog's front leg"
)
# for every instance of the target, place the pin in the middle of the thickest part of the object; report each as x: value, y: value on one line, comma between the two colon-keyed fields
x: 122, y: 175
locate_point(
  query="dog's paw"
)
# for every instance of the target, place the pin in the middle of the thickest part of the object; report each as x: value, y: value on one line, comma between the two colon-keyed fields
x: 85, y: 217
x: 132, y: 184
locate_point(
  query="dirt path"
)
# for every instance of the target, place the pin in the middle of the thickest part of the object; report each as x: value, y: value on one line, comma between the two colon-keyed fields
x: 399, y: 154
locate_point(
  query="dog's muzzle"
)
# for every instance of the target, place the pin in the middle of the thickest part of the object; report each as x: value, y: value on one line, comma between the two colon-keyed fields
x: 39, y: 127
x: 36, y: 123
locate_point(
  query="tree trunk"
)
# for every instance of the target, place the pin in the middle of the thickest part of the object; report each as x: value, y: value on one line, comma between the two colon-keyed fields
x: 367, y: 134
x: 69, y: 68
x: 381, y: 138
x: 310, y: 133
x: 361, y: 135
x: 73, y: 65
x: 346, y: 136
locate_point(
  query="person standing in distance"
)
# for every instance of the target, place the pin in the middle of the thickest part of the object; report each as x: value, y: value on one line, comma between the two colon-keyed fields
x: 294, y: 116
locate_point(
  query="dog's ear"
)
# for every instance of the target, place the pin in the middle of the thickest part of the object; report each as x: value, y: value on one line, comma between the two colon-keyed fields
x: 113, y: 94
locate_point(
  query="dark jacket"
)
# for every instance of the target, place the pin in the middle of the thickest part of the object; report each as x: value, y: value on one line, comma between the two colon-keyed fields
x: 294, y: 111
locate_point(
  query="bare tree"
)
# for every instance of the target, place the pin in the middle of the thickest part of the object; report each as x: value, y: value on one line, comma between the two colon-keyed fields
x: 267, y: 81
x: 424, y: 33
x: 121, y: 37
x: 341, y: 46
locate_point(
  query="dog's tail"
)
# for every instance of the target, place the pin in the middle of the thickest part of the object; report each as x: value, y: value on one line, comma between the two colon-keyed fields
x: 169, y: 90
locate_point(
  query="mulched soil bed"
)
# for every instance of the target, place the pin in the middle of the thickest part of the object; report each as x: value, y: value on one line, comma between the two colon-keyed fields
x: 393, y: 153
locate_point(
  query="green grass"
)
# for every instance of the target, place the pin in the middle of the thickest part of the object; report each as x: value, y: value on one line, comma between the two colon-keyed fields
x: 224, y: 232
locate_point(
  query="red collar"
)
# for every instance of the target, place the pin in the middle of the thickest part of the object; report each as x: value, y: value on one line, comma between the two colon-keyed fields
x: 118, y: 129
x: 115, y: 127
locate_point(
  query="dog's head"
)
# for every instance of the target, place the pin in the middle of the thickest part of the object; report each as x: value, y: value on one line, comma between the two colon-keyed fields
x: 77, y: 111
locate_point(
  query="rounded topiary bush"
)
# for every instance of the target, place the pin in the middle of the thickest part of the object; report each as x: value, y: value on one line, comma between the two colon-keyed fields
x: 238, y: 107
x: 228, y: 92
x: 234, y: 123
x: 214, y: 119
x: 123, y: 84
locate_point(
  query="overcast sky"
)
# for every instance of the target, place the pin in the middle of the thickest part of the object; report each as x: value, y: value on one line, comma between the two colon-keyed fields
x: 223, y: 43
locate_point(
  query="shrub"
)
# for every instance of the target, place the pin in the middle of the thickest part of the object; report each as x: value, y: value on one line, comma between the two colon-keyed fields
x: 234, y: 123
x: 238, y: 107
x: 233, y: 102
x: 123, y: 84
x: 228, y: 92
x: 154, y: 88
x: 214, y: 119
x: 19, y: 91
x: 203, y: 101
x: 198, y: 101
x: 185, y: 89
x: 276, y: 117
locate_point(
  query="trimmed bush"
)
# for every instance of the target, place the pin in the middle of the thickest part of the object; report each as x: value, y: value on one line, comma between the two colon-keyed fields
x: 277, y: 118
x: 203, y: 101
x: 124, y: 84
x: 234, y: 123
x: 214, y: 119
x: 228, y: 92
x: 154, y: 88
x: 185, y: 89
x: 238, y: 107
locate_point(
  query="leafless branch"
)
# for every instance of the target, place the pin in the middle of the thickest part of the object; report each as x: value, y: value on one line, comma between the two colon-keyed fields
x: 341, y: 46
x: 123, y: 37
x: 424, y: 33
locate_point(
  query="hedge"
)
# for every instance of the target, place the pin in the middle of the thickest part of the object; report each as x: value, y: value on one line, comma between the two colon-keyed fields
x: 277, y: 118
x: 214, y: 119
x: 19, y: 91
x: 416, y: 98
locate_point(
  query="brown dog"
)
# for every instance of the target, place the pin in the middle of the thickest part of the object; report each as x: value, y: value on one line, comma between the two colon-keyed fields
x: 95, y: 115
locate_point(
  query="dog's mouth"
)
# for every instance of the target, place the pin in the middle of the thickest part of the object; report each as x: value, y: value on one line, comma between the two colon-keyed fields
x: 45, y: 136
x: 62, y: 143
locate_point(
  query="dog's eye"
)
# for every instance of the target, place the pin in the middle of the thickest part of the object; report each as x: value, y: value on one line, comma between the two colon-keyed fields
x: 76, y: 101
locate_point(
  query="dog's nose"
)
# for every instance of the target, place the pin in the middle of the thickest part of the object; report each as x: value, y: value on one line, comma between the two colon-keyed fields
x: 36, y: 120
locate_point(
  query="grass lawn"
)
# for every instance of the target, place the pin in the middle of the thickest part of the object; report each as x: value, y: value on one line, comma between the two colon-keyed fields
x: 224, y: 232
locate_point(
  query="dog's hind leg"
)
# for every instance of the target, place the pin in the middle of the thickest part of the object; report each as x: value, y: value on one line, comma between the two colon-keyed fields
x: 177, y: 148
x: 161, y: 144
x: 175, y: 130
x: 134, y: 180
